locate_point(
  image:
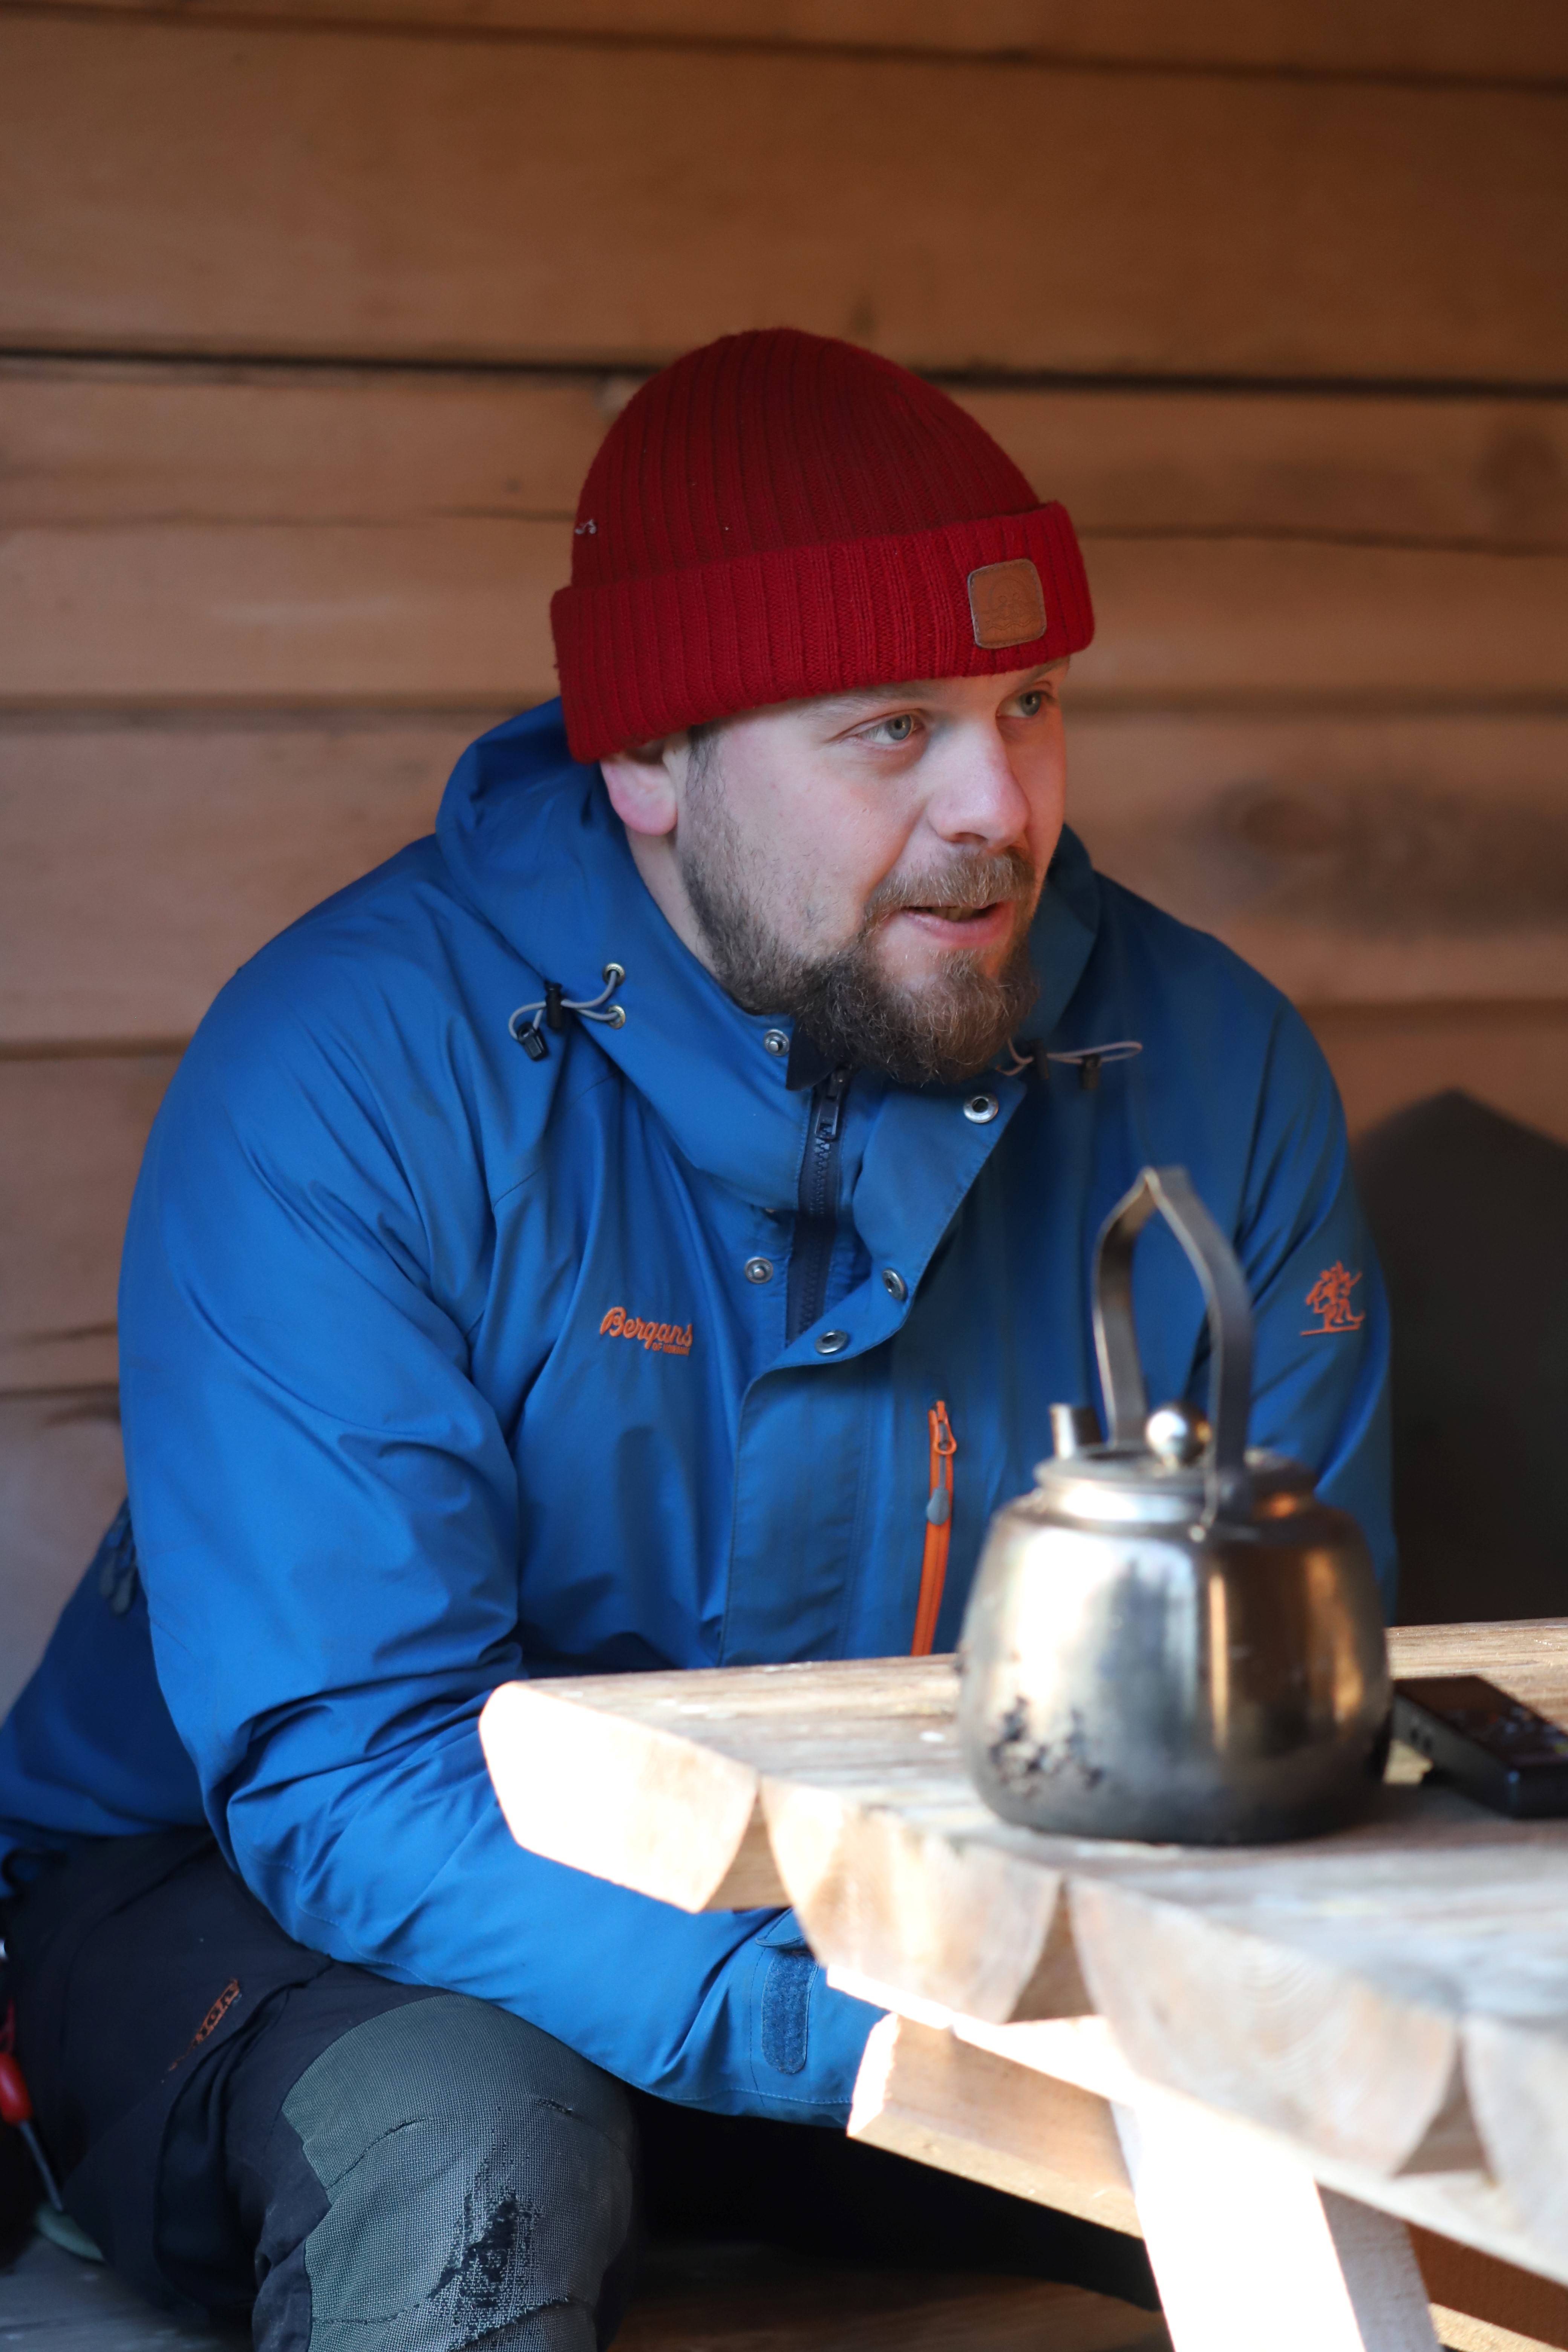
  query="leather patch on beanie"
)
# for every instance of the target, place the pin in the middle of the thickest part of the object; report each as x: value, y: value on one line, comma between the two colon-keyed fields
x: 1006, y: 604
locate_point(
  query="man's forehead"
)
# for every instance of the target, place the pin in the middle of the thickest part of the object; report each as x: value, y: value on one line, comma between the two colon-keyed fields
x: 921, y: 689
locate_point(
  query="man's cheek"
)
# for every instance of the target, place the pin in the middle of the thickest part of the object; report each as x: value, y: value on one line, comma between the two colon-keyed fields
x: 831, y: 902
x: 813, y: 922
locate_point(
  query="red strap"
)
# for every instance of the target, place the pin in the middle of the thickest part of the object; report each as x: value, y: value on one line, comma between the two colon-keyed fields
x: 16, y: 2106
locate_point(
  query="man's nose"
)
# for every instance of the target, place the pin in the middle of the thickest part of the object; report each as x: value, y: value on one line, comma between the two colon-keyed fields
x: 976, y: 799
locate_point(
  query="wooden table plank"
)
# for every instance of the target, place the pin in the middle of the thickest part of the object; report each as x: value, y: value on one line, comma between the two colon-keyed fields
x: 1528, y: 1660
x: 1516, y: 2074
x: 924, y: 2093
x: 592, y: 1770
x: 1392, y: 2001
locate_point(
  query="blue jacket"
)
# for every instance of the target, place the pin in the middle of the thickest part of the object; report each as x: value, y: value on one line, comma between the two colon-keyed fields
x: 410, y: 1407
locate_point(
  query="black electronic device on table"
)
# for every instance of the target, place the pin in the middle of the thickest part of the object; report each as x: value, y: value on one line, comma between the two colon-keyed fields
x: 1492, y: 1747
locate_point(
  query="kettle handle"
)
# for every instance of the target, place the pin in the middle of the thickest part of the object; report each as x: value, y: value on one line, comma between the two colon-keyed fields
x: 1169, y: 1192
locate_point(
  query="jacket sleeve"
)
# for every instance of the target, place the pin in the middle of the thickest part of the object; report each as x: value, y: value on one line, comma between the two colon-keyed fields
x: 327, y: 1523
x: 1320, y: 1366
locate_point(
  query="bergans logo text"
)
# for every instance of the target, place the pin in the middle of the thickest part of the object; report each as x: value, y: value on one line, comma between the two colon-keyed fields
x: 663, y: 1338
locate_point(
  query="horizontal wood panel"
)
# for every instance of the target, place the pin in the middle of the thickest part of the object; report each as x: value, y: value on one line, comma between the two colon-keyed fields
x: 95, y: 445
x: 1486, y: 475
x: 71, y: 1133
x: 1384, y: 1056
x: 420, y: 196
x: 1198, y: 621
x: 1527, y: 37
x: 61, y: 1480
x: 1357, y: 859
x: 290, y: 613
x: 459, y: 610
x: 139, y: 866
x: 1370, y: 860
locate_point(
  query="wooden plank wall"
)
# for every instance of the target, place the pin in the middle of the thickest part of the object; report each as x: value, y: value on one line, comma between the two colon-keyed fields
x: 311, y: 317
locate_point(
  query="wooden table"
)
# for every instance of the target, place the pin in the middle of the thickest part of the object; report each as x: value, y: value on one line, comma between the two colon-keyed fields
x: 1327, y: 2082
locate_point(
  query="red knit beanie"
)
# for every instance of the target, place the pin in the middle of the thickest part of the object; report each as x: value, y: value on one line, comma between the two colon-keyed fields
x: 779, y: 515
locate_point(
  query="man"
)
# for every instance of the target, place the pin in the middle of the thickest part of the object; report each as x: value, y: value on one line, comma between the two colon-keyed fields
x: 583, y: 1245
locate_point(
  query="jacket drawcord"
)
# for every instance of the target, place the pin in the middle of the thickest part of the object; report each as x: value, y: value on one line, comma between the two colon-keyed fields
x: 939, y: 1531
x: 551, y: 1010
x: 1089, y: 1060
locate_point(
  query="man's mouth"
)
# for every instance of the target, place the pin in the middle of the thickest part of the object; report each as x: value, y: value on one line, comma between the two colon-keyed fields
x: 958, y: 914
x: 954, y: 916
x: 961, y: 914
x: 982, y: 927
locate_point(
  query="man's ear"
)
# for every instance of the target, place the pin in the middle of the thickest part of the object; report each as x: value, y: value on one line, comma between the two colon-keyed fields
x: 644, y: 784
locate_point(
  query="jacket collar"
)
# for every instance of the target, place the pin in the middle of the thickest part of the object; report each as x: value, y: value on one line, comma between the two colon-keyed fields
x: 532, y: 841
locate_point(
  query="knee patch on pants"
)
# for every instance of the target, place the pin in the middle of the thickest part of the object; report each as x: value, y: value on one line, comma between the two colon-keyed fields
x: 478, y: 2177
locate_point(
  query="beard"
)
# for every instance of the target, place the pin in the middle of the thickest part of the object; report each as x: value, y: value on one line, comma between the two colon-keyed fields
x: 939, y: 1032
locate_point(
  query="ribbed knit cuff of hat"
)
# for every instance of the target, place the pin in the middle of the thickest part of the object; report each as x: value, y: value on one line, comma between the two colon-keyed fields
x: 640, y: 658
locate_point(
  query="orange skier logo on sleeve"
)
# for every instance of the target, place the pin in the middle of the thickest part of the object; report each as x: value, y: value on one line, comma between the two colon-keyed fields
x: 1329, y: 1300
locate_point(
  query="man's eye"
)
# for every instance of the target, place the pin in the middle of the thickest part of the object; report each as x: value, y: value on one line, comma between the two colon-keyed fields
x: 1031, y: 704
x: 900, y: 728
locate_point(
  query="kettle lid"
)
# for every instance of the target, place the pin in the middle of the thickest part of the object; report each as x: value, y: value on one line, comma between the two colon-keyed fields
x: 1126, y: 1486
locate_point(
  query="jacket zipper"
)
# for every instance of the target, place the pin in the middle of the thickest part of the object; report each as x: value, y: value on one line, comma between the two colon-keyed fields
x: 939, y: 1530
x: 817, y: 1216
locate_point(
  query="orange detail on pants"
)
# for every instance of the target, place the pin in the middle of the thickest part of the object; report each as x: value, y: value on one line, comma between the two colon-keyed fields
x: 933, y: 1566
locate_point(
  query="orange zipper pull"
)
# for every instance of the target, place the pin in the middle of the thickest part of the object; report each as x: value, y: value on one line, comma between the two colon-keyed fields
x: 939, y: 1530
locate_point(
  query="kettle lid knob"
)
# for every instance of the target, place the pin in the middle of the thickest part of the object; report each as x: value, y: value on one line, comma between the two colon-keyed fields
x: 1176, y: 1434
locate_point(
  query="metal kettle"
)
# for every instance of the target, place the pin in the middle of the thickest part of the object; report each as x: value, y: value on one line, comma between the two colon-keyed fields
x: 1171, y: 1638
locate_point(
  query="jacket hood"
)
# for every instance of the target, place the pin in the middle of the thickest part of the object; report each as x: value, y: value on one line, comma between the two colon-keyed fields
x: 531, y: 840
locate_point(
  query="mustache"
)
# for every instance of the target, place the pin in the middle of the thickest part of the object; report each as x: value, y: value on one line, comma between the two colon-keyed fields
x: 969, y: 879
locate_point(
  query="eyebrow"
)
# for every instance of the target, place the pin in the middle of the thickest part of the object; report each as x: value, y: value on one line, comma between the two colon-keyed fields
x: 912, y: 689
